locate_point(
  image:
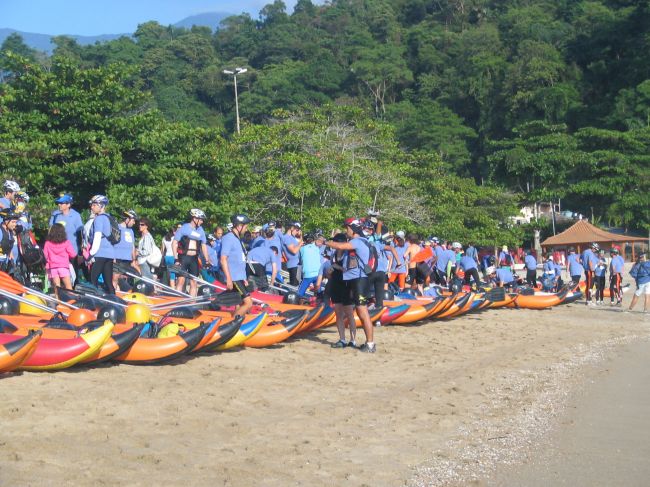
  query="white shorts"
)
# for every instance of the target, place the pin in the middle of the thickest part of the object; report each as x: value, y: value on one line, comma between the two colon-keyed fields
x: 643, y: 289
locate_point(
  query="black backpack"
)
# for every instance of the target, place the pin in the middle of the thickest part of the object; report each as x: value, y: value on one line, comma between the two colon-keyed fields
x: 30, y: 252
x: 373, y: 259
x: 116, y: 235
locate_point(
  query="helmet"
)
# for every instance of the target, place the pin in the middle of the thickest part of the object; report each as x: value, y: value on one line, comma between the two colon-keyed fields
x: 21, y: 195
x: 340, y: 237
x: 7, y: 214
x: 308, y: 237
x: 196, y: 213
x: 240, y: 219
x: 435, y: 240
x: 229, y: 226
x: 100, y: 199
x: 614, y: 250
x: 295, y: 225
x: 595, y: 246
x: 10, y: 185
x: 368, y: 224
x: 401, y: 234
x: 211, y: 237
x: 373, y: 213
x: 130, y: 214
x: 456, y: 245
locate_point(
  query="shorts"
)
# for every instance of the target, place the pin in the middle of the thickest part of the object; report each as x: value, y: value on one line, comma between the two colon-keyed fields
x: 338, y: 289
x: 241, y: 288
x: 58, y: 272
x: 357, y: 291
x: 643, y: 289
x: 190, y: 264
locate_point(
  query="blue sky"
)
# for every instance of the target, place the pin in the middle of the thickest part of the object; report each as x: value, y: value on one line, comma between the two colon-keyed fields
x: 94, y: 17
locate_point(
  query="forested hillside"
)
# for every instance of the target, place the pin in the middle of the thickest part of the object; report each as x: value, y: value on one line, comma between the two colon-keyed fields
x: 444, y: 114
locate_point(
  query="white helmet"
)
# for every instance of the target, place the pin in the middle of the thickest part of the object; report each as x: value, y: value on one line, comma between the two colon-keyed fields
x: 100, y: 199
x: 456, y: 245
x: 401, y: 234
x: 11, y: 186
x: 196, y: 213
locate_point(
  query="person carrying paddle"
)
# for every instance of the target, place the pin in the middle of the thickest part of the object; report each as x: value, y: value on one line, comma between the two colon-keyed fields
x: 101, y: 253
x: 355, y: 259
x: 191, y: 238
x: 616, y: 266
x: 233, y: 263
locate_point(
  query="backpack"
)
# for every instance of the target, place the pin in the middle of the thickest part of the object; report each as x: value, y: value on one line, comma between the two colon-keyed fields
x: 373, y: 259
x: 30, y: 252
x: 116, y: 235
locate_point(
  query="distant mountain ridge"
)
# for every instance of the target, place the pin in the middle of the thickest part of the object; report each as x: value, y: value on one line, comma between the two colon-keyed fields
x: 42, y: 42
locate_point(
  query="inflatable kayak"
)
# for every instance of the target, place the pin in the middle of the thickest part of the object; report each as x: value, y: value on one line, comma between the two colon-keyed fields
x: 14, y: 350
x: 278, y: 331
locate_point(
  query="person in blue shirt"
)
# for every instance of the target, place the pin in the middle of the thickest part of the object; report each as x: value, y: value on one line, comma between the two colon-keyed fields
x: 437, y: 252
x: 398, y: 270
x: 641, y: 274
x: 71, y: 220
x: 574, y: 266
x: 7, y: 238
x: 550, y: 276
x: 310, y: 256
x: 211, y: 267
x: 469, y: 266
x: 125, y: 249
x: 616, y: 267
x: 501, y: 277
x: 101, y: 250
x: 233, y: 263
x: 589, y: 262
x: 191, y: 239
x: 355, y: 280
x: 385, y: 253
x: 258, y: 237
x: 10, y: 189
x: 600, y: 273
x: 531, y: 268
x: 291, y: 243
x: 258, y: 259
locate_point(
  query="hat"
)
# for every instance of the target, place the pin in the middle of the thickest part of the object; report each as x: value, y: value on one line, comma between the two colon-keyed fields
x: 435, y: 240
x: 456, y: 245
x: 257, y: 229
x: 401, y: 234
x: 270, y: 225
x: 63, y: 198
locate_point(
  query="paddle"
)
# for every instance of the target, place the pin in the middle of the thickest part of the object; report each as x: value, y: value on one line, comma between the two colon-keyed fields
x: 131, y: 272
x: 20, y: 299
x: 9, y: 283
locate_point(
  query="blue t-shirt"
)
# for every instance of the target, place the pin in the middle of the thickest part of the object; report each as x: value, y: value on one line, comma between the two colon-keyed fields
x: 641, y: 273
x: 103, y: 225
x: 504, y: 275
x: 575, y: 267
x: 549, y: 267
x: 292, y: 259
x: 124, y: 248
x: 616, y: 265
x: 399, y: 267
x: 354, y: 260
x: 197, y: 234
x: 311, y: 260
x: 257, y: 242
x: 72, y: 223
x: 467, y: 263
x: 531, y: 262
x: 262, y: 255
x: 589, y: 260
x: 232, y: 249
x: 213, y: 255
x: 601, y: 267
x: 6, y: 203
x: 382, y: 261
x: 443, y: 260
x: 324, y: 268
x: 471, y: 252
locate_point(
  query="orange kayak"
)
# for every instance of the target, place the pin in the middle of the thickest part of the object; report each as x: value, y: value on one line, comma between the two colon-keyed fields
x: 278, y: 331
x: 15, y: 349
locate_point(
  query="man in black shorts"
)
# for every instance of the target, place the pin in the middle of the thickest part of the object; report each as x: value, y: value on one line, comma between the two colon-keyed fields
x: 191, y: 237
x: 233, y: 262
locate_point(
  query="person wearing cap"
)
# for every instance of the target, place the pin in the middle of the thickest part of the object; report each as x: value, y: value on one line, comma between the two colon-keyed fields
x: 258, y: 237
x: 274, y: 241
x: 311, y: 258
x: 355, y: 280
x: 191, y: 238
x: 233, y: 263
x: 125, y: 250
x: 398, y: 268
x: 616, y: 267
x: 589, y: 262
x: 469, y: 266
x: 71, y: 220
x: 530, y: 262
x: 101, y: 253
x: 291, y: 244
x: 641, y: 273
x: 10, y: 188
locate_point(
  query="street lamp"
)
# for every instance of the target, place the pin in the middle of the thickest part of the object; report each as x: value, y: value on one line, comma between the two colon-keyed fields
x: 234, y: 75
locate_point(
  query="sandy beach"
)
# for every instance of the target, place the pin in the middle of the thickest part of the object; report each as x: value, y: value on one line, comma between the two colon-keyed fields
x: 441, y: 403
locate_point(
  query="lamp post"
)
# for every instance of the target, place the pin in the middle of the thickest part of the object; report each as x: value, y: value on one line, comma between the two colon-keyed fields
x: 234, y: 75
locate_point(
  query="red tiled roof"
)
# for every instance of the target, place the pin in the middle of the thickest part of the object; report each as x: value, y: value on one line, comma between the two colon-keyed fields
x: 584, y: 232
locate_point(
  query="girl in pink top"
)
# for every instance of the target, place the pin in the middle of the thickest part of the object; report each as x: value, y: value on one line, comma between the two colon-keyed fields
x: 58, y: 252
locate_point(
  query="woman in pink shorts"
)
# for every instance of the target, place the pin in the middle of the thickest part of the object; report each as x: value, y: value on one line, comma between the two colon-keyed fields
x: 58, y: 252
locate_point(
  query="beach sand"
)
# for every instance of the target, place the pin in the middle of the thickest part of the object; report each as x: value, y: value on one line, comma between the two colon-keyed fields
x: 441, y: 403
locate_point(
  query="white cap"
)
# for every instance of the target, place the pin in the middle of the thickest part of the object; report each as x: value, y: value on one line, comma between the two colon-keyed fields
x: 401, y: 234
x: 456, y: 245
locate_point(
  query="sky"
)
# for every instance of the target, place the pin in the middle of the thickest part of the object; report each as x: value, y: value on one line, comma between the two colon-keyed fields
x: 95, y: 17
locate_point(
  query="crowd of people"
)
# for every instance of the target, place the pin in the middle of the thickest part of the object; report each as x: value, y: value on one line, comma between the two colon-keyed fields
x: 356, y: 268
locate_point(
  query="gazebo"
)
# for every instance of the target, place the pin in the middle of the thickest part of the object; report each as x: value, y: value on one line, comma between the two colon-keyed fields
x: 582, y: 234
